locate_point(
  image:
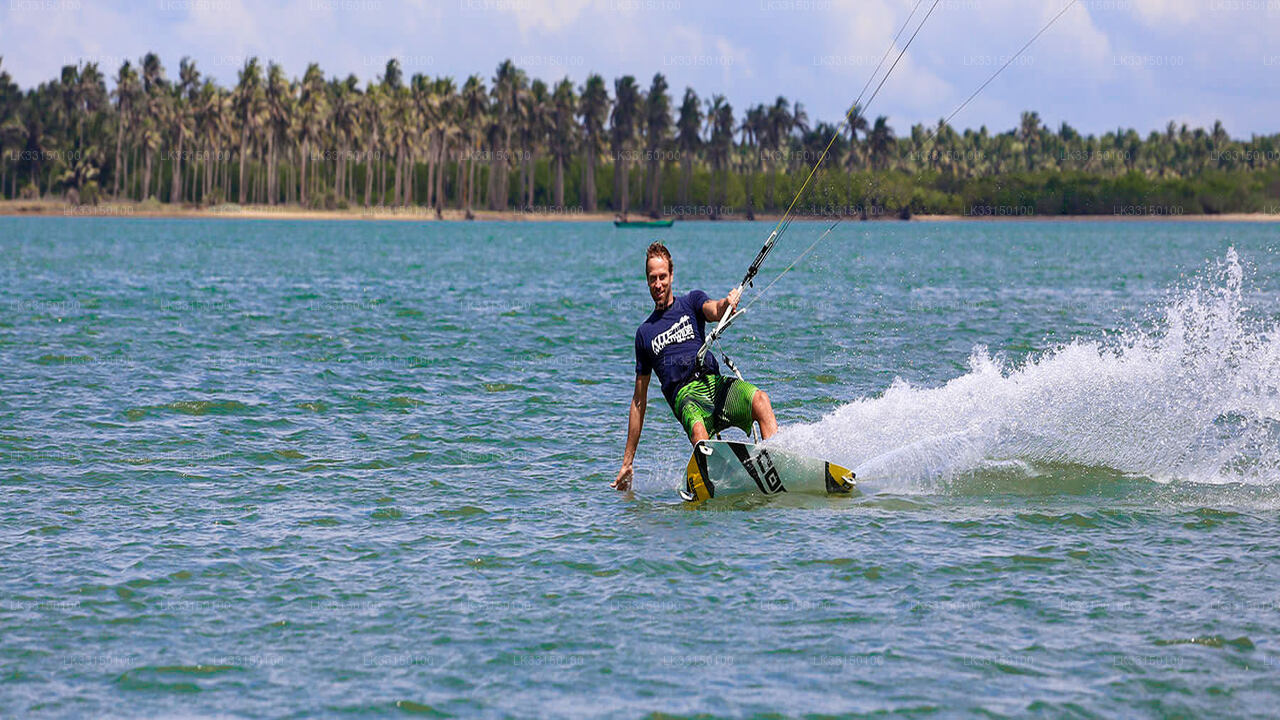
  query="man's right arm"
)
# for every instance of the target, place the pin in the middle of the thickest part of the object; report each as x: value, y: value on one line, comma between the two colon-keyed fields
x: 635, y: 421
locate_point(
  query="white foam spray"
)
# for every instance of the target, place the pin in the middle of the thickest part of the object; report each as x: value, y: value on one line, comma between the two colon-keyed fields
x: 1194, y: 397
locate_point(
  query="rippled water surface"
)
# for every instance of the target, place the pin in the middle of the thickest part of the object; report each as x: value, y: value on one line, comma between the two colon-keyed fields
x: 278, y: 469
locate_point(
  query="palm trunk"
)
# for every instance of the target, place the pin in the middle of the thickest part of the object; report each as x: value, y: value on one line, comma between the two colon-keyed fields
x: 655, y: 180
x: 395, y: 190
x: 382, y: 182
x: 244, y: 154
x: 124, y: 180
x: 306, y: 150
x: 189, y: 180
x: 444, y: 156
x: 471, y: 186
x: 340, y: 174
x: 520, y: 182
x: 271, y: 168
x: 115, y: 186
x: 208, y: 172
x: 626, y: 184
x: 146, y: 175
x: 137, y: 162
x: 711, y: 192
x: 559, y: 198
x: 430, y: 173
x: 410, y: 189
x: 686, y: 176
x: 469, y: 177
x: 368, y: 183
x: 619, y: 191
x: 175, y: 191
x: 493, y: 177
x: 533, y: 166
x: 589, y: 179
x: 406, y: 182
x: 458, y: 186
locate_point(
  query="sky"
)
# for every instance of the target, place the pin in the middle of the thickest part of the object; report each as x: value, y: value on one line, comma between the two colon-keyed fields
x: 1104, y: 64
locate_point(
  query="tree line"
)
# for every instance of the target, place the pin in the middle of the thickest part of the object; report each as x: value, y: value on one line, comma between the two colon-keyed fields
x: 515, y: 142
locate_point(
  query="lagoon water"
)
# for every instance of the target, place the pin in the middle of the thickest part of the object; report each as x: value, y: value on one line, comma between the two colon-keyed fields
x: 346, y: 469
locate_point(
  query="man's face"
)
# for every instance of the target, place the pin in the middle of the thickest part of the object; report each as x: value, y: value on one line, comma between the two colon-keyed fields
x: 658, y: 273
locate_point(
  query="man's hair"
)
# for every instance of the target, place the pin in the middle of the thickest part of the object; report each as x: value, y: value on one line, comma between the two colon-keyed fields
x: 657, y: 249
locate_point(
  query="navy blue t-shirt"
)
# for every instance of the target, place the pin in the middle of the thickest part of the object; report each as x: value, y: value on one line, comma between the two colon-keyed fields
x: 668, y: 341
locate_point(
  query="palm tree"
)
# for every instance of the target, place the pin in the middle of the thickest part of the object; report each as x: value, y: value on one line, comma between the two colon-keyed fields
x: 399, y: 121
x: 779, y: 123
x: 12, y: 132
x: 532, y: 127
x: 370, y: 139
x: 1220, y: 137
x: 720, y: 121
x: 475, y: 110
x: 182, y: 118
x: 346, y: 126
x: 82, y: 95
x: 509, y: 84
x: 426, y: 99
x: 313, y: 107
x: 756, y: 132
x: 880, y: 143
x: 278, y: 104
x: 154, y: 88
x: 856, y: 123
x: 1029, y: 134
x: 688, y: 139
x: 247, y: 102
x: 622, y: 129
x: 657, y: 111
x: 208, y: 106
x: 593, y: 109
x: 563, y: 134
x: 448, y: 128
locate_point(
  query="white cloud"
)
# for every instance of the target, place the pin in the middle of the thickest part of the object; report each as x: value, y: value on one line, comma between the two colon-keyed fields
x: 1172, y: 11
x: 860, y: 42
x: 548, y: 15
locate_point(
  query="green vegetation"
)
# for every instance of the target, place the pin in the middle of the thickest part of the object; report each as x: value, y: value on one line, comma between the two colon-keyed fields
x: 517, y: 143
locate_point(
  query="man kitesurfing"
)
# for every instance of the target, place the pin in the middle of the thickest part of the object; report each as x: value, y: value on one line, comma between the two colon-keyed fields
x: 673, y: 341
x: 668, y: 341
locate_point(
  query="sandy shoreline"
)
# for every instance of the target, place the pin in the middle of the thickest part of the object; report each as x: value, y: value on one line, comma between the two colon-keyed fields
x: 49, y: 208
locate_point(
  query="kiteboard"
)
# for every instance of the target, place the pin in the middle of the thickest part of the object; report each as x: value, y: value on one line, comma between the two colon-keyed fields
x: 725, y: 467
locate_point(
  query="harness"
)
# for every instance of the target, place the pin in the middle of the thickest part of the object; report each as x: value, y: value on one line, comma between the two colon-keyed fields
x: 719, y: 418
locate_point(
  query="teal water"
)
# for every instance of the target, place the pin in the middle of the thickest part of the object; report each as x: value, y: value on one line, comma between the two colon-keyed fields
x: 276, y: 469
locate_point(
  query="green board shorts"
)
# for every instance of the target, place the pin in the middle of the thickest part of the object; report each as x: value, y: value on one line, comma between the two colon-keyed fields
x: 716, y: 401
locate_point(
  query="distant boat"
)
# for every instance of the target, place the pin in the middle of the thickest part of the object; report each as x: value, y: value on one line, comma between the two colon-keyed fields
x: 643, y: 223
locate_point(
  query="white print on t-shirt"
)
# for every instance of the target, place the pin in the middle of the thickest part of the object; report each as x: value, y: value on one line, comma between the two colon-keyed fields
x: 680, y: 332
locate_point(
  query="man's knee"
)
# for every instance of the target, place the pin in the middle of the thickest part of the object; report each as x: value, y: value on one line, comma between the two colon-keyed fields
x: 761, y: 401
x: 699, y: 433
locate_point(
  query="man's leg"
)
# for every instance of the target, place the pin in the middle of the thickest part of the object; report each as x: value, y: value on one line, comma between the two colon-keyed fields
x: 762, y: 412
x: 699, y: 433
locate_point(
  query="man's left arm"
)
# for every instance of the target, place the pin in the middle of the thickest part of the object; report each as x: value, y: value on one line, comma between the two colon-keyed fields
x: 713, y: 310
